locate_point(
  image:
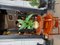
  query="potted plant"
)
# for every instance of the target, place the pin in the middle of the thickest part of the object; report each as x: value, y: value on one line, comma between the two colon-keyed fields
x: 35, y: 3
x: 38, y: 3
x: 26, y: 25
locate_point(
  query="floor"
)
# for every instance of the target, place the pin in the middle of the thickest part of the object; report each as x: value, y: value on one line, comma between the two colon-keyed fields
x: 56, y: 38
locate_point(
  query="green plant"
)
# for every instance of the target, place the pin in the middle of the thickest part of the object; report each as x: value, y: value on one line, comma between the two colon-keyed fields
x: 27, y: 23
x: 34, y: 3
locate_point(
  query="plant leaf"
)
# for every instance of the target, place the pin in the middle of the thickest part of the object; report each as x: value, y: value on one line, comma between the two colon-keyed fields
x: 28, y: 18
x: 20, y: 21
x: 34, y: 3
x: 30, y: 24
x: 23, y: 26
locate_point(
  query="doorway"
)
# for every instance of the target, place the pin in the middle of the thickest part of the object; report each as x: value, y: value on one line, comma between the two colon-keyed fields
x: 2, y: 20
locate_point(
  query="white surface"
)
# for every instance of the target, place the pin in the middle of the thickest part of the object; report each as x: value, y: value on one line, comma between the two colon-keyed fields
x: 19, y: 4
x: 21, y: 41
x: 15, y: 3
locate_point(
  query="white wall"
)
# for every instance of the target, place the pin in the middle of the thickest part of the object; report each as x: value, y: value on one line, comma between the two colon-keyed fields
x: 57, y: 8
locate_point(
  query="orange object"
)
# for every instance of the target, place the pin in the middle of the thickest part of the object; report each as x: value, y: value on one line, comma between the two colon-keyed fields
x: 38, y: 30
x: 56, y: 23
x: 48, y: 23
